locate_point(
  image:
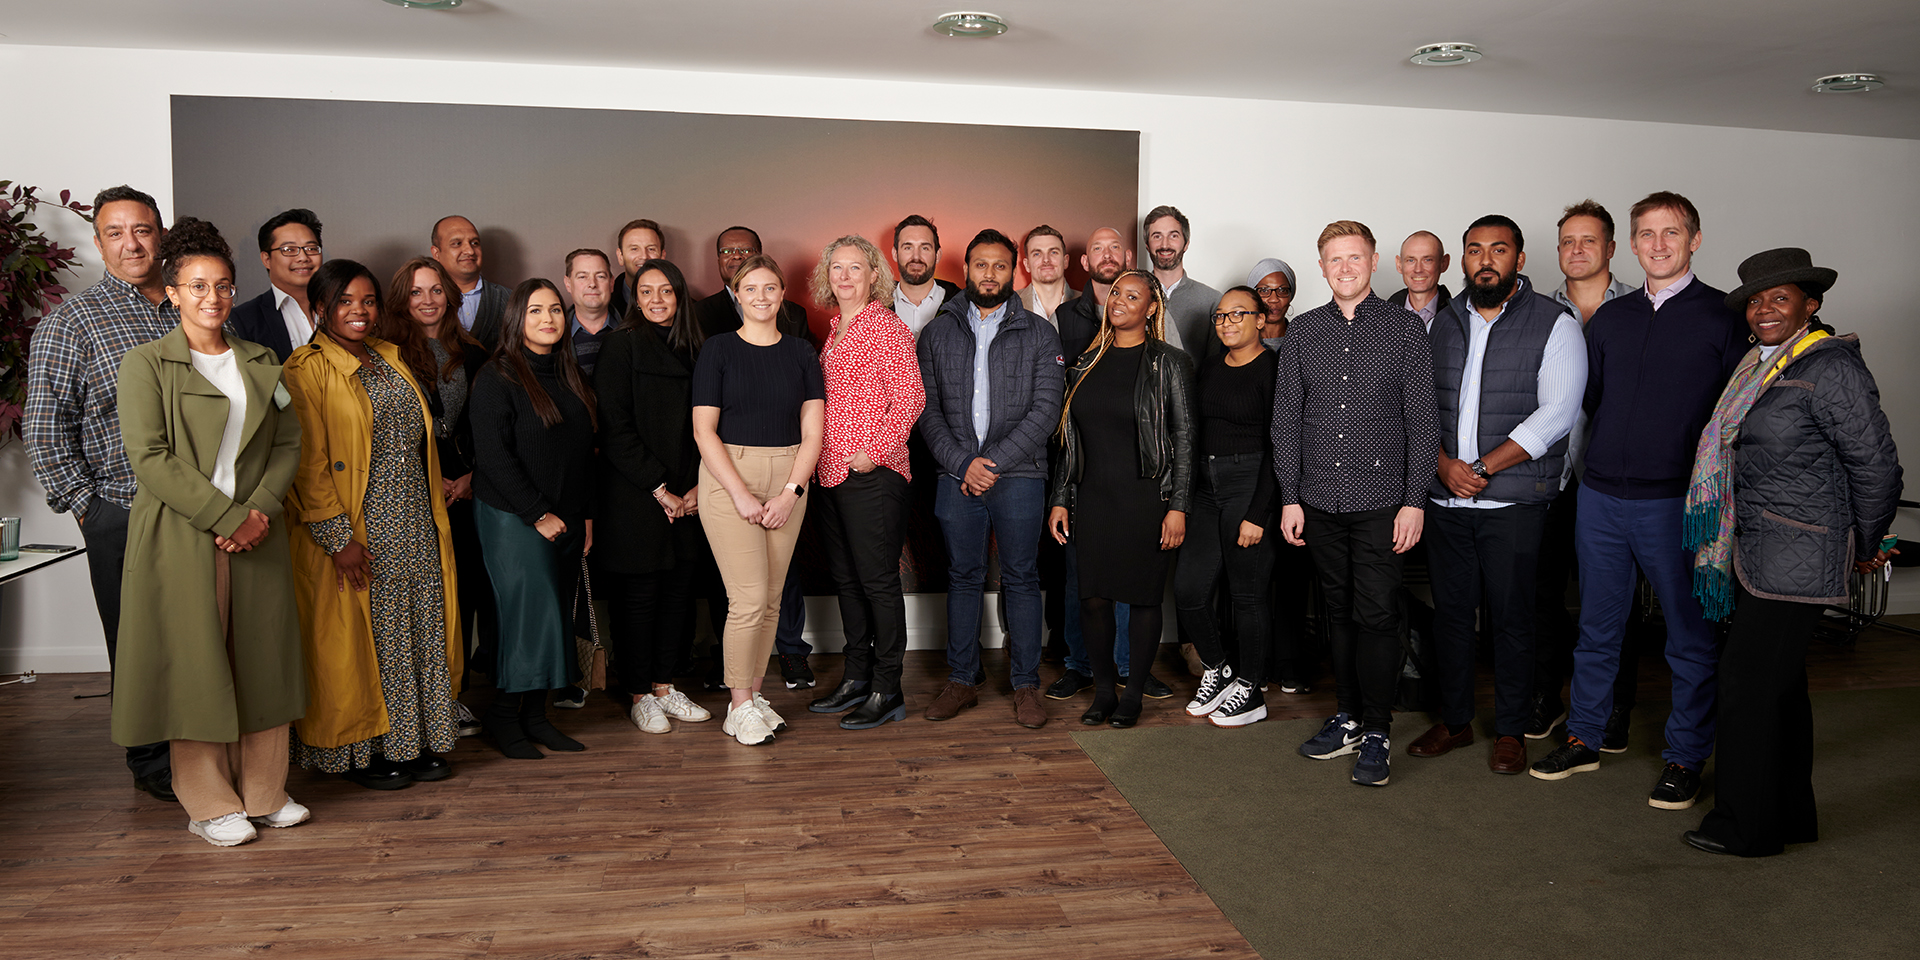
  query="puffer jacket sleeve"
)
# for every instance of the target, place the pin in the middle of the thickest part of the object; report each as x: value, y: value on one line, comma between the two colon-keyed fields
x: 1846, y: 409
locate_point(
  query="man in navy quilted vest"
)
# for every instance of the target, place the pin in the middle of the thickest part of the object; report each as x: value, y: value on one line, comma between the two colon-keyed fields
x: 1509, y: 370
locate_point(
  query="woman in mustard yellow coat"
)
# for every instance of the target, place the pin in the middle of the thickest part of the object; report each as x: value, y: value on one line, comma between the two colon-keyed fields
x: 373, y: 564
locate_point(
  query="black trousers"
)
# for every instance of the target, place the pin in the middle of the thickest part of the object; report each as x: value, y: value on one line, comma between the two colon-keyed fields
x: 1360, y: 577
x: 1295, y: 654
x: 1763, y: 750
x: 477, y: 611
x: 863, y: 523
x: 1220, y: 500
x: 104, y: 530
x: 1491, y: 555
x: 652, y: 623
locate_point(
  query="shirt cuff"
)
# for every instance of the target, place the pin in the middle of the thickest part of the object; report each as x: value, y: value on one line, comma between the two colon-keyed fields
x: 332, y: 534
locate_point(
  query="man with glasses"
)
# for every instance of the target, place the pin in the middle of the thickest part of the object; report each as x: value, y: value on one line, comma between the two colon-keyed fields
x: 456, y: 244
x: 1423, y: 260
x: 72, y: 422
x: 720, y: 313
x: 281, y: 319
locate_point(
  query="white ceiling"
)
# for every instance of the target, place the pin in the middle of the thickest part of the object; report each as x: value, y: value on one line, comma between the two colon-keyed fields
x: 1742, y: 63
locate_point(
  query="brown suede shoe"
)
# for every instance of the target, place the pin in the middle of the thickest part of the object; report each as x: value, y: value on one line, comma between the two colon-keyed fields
x: 1028, y: 709
x: 953, y: 698
x: 1437, y: 741
x: 1509, y: 756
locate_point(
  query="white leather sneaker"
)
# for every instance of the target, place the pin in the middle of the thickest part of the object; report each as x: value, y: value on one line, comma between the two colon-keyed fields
x: 679, y: 707
x: 292, y: 814
x: 774, y: 721
x: 224, y: 831
x: 744, y: 723
x: 648, y: 715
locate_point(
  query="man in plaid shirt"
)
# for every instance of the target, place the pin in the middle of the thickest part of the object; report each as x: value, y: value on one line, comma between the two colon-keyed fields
x: 72, y: 422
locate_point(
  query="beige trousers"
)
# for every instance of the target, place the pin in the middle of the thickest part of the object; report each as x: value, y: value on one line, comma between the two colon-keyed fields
x: 752, y: 559
x: 250, y: 776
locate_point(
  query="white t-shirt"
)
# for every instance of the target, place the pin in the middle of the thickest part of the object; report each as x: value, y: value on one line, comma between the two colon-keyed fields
x: 223, y: 371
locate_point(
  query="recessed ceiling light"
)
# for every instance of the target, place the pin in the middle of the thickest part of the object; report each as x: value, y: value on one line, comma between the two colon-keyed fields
x: 1445, y: 54
x: 968, y: 25
x: 1848, y: 83
x: 427, y: 4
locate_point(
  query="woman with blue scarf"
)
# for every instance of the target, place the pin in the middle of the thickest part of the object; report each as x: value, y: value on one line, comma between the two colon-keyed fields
x: 1795, y: 482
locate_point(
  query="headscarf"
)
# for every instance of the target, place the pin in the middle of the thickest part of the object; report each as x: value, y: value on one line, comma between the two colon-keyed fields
x: 1271, y: 265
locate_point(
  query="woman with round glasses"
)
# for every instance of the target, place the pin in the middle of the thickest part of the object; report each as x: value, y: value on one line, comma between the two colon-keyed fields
x: 1233, y: 489
x: 214, y: 448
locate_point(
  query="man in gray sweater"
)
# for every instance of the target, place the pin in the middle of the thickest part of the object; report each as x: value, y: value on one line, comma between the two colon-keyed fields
x: 1190, y: 303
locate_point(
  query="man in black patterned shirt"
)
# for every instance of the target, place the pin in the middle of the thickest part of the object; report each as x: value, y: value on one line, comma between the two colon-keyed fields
x: 1355, y: 441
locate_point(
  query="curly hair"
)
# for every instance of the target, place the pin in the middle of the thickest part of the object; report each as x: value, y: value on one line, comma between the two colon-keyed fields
x: 820, y: 284
x: 190, y: 239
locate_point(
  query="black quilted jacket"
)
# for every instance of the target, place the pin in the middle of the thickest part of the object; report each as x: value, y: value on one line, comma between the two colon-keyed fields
x: 1816, y: 477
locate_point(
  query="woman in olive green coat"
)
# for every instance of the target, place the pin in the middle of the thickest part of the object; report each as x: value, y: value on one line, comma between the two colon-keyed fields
x: 214, y: 444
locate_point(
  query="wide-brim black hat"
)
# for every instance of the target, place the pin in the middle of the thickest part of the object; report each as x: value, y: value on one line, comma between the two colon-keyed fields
x: 1771, y: 268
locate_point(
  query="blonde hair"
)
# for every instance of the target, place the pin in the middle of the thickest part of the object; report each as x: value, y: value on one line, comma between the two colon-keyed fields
x: 1347, y: 228
x: 1156, y: 330
x: 821, y: 287
x: 758, y: 261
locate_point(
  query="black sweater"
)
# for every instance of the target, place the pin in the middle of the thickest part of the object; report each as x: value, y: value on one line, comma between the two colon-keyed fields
x: 520, y: 464
x: 1235, y: 410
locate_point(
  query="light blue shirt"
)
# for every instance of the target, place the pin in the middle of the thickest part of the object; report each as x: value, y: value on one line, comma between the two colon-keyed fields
x: 1577, y: 440
x: 1562, y: 385
x: 470, y: 305
x: 985, y: 328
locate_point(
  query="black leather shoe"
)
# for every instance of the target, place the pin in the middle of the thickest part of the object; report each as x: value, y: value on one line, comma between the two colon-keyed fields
x: 428, y: 767
x: 1154, y: 689
x: 846, y: 696
x: 1544, y: 712
x: 876, y: 709
x: 1095, y: 716
x: 380, y: 774
x: 1702, y: 842
x: 1125, y: 715
x: 1614, y: 740
x: 158, y: 785
x: 1071, y: 684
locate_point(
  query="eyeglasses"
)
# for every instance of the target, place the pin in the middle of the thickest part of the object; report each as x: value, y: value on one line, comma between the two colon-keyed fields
x: 290, y: 251
x: 1234, y: 317
x: 200, y: 289
x: 1270, y: 292
x: 737, y: 252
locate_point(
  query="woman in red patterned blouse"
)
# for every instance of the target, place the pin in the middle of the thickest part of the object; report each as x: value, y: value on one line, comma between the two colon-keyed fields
x: 874, y: 396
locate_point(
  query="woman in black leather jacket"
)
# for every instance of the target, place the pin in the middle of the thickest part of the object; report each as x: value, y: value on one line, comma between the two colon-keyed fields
x: 1795, y: 483
x: 1125, y: 479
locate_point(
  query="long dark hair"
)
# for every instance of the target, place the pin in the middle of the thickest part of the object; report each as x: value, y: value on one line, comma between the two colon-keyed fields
x: 510, y: 356
x: 683, y: 332
x: 329, y: 283
x: 398, y: 327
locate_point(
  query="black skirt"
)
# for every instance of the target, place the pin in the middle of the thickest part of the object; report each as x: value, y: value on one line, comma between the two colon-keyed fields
x: 1116, y: 527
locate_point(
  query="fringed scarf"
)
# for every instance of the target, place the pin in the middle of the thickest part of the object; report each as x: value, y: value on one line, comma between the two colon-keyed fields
x: 1708, y: 526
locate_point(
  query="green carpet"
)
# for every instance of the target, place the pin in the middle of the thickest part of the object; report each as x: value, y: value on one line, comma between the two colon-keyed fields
x: 1451, y: 861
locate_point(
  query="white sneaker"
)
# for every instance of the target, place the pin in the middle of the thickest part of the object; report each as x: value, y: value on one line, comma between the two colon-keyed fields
x: 744, y: 723
x: 293, y: 814
x: 465, y: 724
x: 230, y: 830
x: 648, y: 715
x: 679, y: 707
x: 774, y: 721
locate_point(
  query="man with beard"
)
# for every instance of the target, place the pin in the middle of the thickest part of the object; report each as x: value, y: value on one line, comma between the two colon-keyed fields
x: 1044, y: 251
x: 1190, y: 303
x: 1422, y: 262
x: 456, y: 244
x: 919, y: 294
x: 280, y: 319
x: 1509, y: 369
x: 993, y: 373
x: 1078, y: 320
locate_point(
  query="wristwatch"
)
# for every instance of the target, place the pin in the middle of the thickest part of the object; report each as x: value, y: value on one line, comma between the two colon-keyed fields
x: 1479, y: 469
x: 798, y: 490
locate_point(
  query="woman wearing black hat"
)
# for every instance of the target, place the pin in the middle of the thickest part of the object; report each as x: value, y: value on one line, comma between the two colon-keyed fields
x: 1794, y: 484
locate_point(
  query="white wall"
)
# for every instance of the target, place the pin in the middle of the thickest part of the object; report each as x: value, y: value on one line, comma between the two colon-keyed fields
x: 1258, y: 178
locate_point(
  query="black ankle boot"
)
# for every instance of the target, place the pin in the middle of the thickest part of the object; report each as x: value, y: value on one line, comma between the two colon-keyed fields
x: 874, y: 710
x: 850, y: 693
x: 533, y: 717
x: 501, y: 722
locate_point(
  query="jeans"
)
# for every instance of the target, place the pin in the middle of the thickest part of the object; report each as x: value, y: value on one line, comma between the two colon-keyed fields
x: 104, y: 530
x: 1076, y: 630
x: 1492, y: 554
x: 1611, y: 536
x: 863, y: 524
x: 1220, y: 500
x: 1360, y: 576
x: 1011, y: 513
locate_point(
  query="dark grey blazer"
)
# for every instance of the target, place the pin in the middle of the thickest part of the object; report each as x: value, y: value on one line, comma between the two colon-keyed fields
x: 493, y: 307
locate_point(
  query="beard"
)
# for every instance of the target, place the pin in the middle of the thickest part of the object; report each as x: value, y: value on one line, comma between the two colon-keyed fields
x: 1106, y: 271
x: 988, y: 301
x: 1489, y: 295
x: 1168, y: 259
x: 915, y: 279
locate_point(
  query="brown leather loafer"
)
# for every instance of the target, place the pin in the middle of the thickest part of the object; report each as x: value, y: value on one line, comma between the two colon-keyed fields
x: 1437, y: 741
x: 1509, y: 756
x: 953, y: 698
x: 1028, y: 709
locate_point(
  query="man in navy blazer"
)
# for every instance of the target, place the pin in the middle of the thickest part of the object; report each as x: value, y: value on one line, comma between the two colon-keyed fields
x: 280, y: 319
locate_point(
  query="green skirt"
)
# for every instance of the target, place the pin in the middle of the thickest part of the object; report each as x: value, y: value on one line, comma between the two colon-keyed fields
x: 533, y: 582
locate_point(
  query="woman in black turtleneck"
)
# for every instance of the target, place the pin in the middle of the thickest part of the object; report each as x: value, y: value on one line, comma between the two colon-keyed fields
x: 533, y: 423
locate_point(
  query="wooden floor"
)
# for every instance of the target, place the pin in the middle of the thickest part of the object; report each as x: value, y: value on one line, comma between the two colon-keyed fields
x: 973, y: 837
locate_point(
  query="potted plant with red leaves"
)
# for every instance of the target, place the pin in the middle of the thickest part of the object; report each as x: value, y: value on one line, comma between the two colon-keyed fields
x: 30, y: 267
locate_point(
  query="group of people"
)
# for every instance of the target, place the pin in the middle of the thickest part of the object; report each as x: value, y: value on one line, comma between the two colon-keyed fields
x: 1104, y: 442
